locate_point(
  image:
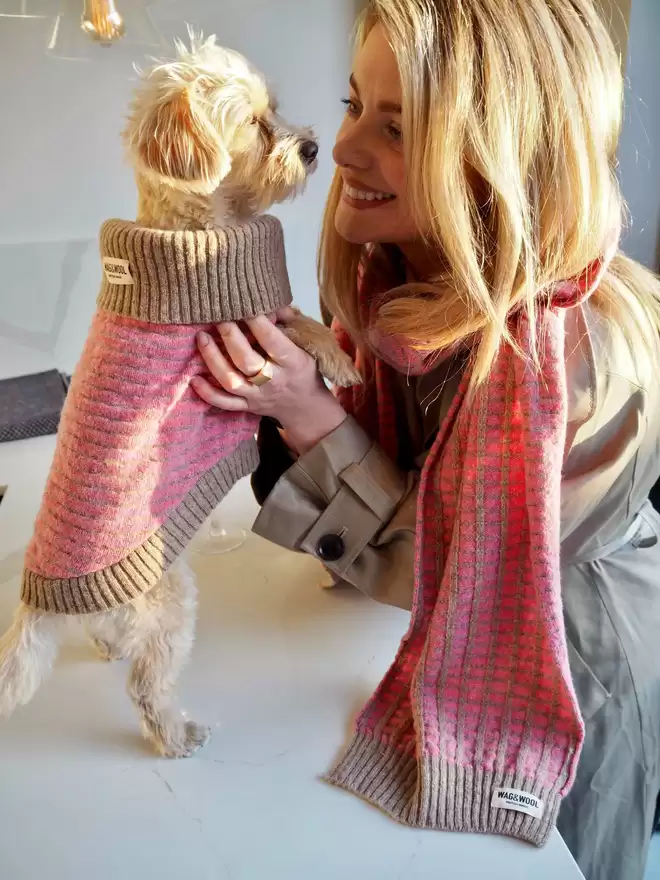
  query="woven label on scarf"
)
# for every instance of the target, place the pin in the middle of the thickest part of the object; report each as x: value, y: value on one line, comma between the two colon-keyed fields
x: 514, y: 799
x: 117, y: 271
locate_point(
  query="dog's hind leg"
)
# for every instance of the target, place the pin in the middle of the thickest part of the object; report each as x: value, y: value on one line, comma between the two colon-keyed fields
x: 27, y: 653
x: 159, y: 637
x: 107, y: 635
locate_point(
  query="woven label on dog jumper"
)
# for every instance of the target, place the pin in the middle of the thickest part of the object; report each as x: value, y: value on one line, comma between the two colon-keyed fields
x: 117, y: 271
x: 514, y: 799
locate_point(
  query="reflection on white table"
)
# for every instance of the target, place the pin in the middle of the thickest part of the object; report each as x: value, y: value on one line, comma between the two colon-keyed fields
x: 279, y: 669
x: 218, y: 536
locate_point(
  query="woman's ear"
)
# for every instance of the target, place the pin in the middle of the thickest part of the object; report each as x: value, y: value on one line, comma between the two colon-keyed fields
x: 176, y: 141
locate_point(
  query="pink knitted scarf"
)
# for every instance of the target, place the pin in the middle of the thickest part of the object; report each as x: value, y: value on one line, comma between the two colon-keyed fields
x: 476, y: 726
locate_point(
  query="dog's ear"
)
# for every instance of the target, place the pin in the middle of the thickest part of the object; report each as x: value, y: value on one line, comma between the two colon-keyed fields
x: 178, y: 143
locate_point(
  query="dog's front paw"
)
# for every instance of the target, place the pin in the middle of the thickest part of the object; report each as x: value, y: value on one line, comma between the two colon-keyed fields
x: 338, y: 367
x: 182, y: 740
x: 327, y: 580
x: 318, y: 341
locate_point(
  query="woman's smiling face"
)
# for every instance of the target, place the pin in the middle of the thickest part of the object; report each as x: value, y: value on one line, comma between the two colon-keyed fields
x: 374, y: 205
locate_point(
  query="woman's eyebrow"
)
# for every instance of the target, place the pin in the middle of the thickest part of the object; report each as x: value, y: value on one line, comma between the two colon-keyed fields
x: 389, y: 107
x: 383, y: 106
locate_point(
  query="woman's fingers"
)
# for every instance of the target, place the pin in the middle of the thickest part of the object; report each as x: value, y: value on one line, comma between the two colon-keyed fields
x: 278, y: 346
x: 222, y: 371
x: 215, y: 397
x: 240, y: 352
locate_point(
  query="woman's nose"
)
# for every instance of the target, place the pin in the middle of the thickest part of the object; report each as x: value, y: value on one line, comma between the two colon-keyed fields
x: 350, y: 151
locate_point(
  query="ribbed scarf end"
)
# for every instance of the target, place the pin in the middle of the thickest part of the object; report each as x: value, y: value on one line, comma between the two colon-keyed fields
x: 432, y: 793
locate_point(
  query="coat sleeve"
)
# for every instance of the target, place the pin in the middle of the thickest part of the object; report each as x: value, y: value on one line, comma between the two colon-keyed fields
x: 346, y: 503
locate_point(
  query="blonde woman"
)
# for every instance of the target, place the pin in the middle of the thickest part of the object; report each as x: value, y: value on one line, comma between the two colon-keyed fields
x: 492, y: 472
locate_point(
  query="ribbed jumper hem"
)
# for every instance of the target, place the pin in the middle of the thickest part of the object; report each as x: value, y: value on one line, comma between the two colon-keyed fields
x: 429, y: 792
x: 143, y: 567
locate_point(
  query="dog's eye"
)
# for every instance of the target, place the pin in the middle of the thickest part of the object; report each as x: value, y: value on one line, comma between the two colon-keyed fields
x: 261, y: 124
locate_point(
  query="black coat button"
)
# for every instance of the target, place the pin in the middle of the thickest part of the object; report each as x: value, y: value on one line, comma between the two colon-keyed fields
x: 330, y: 548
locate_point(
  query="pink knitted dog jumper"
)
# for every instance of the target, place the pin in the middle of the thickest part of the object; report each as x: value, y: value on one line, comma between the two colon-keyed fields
x: 476, y: 726
x: 140, y: 460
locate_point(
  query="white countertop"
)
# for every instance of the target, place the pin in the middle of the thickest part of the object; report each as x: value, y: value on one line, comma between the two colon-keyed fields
x: 279, y: 670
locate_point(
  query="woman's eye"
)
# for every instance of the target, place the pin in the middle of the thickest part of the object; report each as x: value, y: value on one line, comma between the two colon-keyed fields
x: 351, y: 106
x: 394, y: 132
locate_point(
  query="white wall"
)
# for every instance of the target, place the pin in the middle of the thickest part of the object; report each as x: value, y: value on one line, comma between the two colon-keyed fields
x: 62, y: 171
x: 639, y: 148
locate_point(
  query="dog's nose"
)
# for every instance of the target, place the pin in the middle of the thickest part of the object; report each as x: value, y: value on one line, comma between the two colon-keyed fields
x: 309, y: 150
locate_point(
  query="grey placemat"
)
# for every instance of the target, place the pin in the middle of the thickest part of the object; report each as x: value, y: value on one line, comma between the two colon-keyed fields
x: 30, y: 406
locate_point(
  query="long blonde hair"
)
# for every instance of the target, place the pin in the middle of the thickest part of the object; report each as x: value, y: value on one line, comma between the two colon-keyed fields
x: 511, y: 117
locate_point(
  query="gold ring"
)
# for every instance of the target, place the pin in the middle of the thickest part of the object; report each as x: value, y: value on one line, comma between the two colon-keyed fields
x: 264, y: 375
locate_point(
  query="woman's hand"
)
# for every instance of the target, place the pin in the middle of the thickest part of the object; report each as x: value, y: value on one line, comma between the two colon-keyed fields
x: 296, y: 395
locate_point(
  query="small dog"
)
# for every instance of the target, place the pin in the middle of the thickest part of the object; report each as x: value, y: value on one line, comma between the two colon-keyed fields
x: 209, y: 149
